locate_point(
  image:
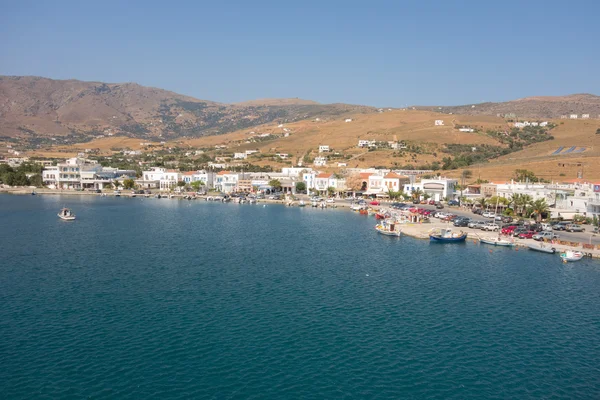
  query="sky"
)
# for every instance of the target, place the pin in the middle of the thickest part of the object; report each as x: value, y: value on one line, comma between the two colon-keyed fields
x: 379, y: 53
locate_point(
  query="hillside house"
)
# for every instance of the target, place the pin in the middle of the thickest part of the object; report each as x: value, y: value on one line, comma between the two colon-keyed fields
x: 363, y: 143
x: 466, y: 130
x: 573, y: 116
x: 320, y: 161
x: 323, y: 148
x: 240, y: 156
x: 348, y: 120
x: 585, y: 116
x: 439, y: 122
x: 283, y: 156
x: 545, y: 123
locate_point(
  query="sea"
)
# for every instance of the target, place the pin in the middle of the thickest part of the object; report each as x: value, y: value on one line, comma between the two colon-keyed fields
x: 149, y: 298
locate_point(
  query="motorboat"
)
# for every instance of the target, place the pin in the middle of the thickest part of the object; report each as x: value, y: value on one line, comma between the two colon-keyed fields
x: 388, y: 229
x: 301, y: 203
x: 66, y: 214
x: 542, y: 247
x: 447, y: 235
x: 571, y: 255
x: 495, y: 241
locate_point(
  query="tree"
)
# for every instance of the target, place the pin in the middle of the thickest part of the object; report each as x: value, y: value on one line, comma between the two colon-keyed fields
x: 128, y: 183
x: 196, y: 185
x: 426, y: 196
x: 181, y: 183
x: 416, y: 194
x: 395, y: 194
x: 300, y: 187
x: 354, y: 182
x: 522, y: 175
x: 482, y: 202
x: 36, y: 180
x: 330, y: 190
x: 539, y: 208
x: 275, y: 184
x: 116, y: 183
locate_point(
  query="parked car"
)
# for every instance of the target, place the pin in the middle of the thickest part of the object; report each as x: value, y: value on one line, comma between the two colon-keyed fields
x: 488, y: 214
x: 477, y: 211
x: 547, y: 227
x: 374, y: 203
x: 330, y: 200
x: 498, y: 218
x: 507, y: 219
x: 473, y: 223
x: 519, y: 230
x: 544, y: 235
x: 461, y: 222
x: 509, y: 229
x: 559, y: 226
x: 453, y: 202
x: 439, y: 214
x: 526, y: 234
x: 491, y: 227
x: 439, y: 206
x: 574, y: 228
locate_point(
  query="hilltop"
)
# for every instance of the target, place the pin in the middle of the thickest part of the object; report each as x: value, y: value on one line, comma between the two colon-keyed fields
x: 529, y: 107
x: 36, y: 109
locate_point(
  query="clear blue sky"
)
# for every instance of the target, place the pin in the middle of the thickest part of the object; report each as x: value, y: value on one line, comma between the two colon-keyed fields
x: 382, y: 53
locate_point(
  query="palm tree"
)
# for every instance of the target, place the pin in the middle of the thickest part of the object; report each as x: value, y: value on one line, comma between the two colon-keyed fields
x: 482, y: 202
x: 416, y: 194
x: 539, y: 207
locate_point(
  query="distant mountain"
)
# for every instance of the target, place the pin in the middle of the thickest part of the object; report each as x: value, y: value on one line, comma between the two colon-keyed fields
x: 530, y: 107
x: 38, y: 109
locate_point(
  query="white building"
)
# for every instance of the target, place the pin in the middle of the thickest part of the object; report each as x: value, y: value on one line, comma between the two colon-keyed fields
x: 207, y: 177
x: 161, y: 178
x: 283, y: 156
x: 323, y: 148
x: 348, y: 120
x: 79, y: 173
x: 545, y: 123
x: 573, y: 116
x: 585, y: 116
x: 439, y: 122
x: 438, y: 189
x: 309, y: 179
x: 363, y: 143
x: 250, y: 152
x: 226, y: 181
x: 320, y: 161
x: 466, y: 130
x: 240, y: 156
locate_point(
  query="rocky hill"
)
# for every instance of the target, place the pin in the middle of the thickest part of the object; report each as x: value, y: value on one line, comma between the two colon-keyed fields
x: 38, y: 110
x: 529, y: 107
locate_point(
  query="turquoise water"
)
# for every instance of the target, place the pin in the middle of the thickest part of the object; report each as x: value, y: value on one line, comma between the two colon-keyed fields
x: 147, y: 298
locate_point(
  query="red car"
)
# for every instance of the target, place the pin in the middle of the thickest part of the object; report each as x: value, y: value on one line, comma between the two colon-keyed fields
x: 527, y: 235
x: 508, y: 230
x: 374, y: 203
x: 431, y: 202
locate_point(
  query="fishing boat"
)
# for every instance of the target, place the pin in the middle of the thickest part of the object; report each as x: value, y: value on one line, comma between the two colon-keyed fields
x: 571, y: 255
x: 542, y: 248
x: 301, y: 203
x: 66, y: 214
x: 495, y: 241
x: 363, y: 212
x: 388, y: 229
x: 446, y: 235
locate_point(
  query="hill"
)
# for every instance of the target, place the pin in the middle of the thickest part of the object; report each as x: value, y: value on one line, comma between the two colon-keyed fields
x: 529, y: 107
x: 34, y: 110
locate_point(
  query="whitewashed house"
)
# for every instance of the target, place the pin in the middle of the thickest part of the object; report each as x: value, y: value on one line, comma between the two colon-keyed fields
x: 573, y: 116
x: 439, y: 122
x: 226, y: 181
x: 585, y: 116
x: 363, y: 143
x: 320, y: 161
x: 348, y: 120
x: 240, y: 156
x: 323, y: 148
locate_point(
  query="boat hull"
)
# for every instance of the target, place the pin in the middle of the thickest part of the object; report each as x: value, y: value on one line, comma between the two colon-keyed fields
x: 388, y: 233
x: 439, y: 239
x: 496, y: 243
x: 548, y: 250
x: 571, y: 257
x: 71, y: 218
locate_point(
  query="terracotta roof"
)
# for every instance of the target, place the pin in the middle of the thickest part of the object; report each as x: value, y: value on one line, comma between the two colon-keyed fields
x: 189, y: 173
x: 393, y: 175
x: 365, y: 175
x: 224, y: 173
x: 172, y: 170
x: 324, y: 175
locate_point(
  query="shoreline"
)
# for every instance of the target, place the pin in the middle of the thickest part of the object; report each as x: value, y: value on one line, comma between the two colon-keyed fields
x: 414, y: 230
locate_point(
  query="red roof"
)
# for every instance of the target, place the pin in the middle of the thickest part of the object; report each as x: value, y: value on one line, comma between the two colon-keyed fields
x: 189, y: 173
x: 224, y: 173
x: 365, y: 175
x: 324, y: 175
x: 393, y: 175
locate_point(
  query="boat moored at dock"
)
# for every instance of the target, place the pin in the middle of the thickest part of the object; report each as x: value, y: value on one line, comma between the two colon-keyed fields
x: 447, y: 235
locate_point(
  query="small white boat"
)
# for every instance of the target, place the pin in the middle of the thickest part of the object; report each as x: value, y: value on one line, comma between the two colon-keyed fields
x: 571, y: 255
x: 66, y: 214
x: 542, y: 248
x: 495, y: 241
x: 301, y: 203
x: 388, y: 229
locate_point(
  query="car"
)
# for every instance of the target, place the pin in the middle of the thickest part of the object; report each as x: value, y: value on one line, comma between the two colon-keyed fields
x: 423, y: 201
x: 453, y: 202
x: 449, y: 217
x: 544, y: 235
x: 498, y: 218
x: 509, y: 229
x: 461, y: 222
x: 491, y: 227
x: 574, y: 228
x: 474, y: 224
x: 431, y: 202
x: 488, y: 214
x: 507, y: 219
x: 330, y: 201
x: 526, y: 234
x: 439, y: 214
x: 374, y: 203
x: 439, y: 206
x: 559, y: 226
x: 518, y: 231
x: 415, y: 201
